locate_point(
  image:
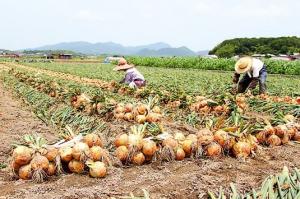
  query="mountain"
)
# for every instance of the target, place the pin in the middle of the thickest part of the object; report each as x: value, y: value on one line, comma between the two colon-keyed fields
x: 155, y: 49
x: 181, y: 51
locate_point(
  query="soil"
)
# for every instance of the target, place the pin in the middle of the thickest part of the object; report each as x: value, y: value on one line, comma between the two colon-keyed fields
x: 181, y: 179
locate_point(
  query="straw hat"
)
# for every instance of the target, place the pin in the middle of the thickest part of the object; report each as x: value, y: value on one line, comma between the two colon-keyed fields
x: 123, y: 67
x: 243, y: 65
x: 122, y: 61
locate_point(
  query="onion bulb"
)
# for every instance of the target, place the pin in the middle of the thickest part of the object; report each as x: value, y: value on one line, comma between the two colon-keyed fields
x: 296, y: 137
x: 135, y: 141
x: 274, y: 140
x: 96, y: 153
x: 122, y: 153
x: 213, y: 150
x: 119, y: 116
x: 170, y: 142
x: 128, y: 108
x: 141, y: 119
x: 51, y: 154
x: 66, y: 154
x: 128, y: 117
x: 187, y: 146
x: 51, y: 169
x: 138, y: 159
x: 156, y: 109
x: 25, y: 172
x: 192, y: 137
x: 142, y: 109
x: 80, y: 151
x: 39, y: 162
x: 261, y: 136
x: 221, y: 137
x: 97, y: 169
x: 153, y: 117
x: 119, y: 109
x: 22, y: 155
x: 76, y: 166
x: 92, y: 139
x: 149, y: 147
x: 179, y: 154
x: 121, y: 140
x: 179, y: 137
x: 205, y: 137
x: 241, y: 149
x: 281, y: 130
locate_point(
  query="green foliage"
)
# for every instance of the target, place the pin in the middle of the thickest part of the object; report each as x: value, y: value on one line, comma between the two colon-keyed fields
x: 249, y: 46
x: 273, y: 66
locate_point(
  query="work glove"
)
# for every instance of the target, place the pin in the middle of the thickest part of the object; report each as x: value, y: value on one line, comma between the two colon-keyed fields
x: 253, y: 83
x: 235, y: 78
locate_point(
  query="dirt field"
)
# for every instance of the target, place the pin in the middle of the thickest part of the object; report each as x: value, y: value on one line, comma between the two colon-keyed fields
x: 187, y: 179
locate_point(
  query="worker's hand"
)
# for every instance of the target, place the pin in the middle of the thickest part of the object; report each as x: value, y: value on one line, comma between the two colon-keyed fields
x: 253, y: 83
x: 235, y: 78
x: 234, y: 89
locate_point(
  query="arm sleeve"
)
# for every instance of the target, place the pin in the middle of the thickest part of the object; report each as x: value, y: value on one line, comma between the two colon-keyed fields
x: 128, y: 78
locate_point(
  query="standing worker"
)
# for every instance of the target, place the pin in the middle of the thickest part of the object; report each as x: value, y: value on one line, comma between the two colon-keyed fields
x: 132, y: 76
x: 256, y: 72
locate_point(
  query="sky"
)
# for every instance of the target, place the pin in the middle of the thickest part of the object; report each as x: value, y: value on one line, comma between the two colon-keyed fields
x: 197, y: 24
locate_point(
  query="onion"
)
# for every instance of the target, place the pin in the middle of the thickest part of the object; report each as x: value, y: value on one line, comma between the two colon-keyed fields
x: 128, y: 108
x: 138, y: 159
x: 39, y: 162
x: 153, y: 117
x: 92, y: 139
x: 170, y: 142
x: 205, y: 137
x: 121, y: 140
x: 122, y: 153
x: 80, y: 151
x: 97, y: 169
x: 99, y: 107
x: 218, y: 109
x: 274, y: 140
x: 269, y: 130
x: 252, y: 140
x: 200, y: 98
x: 179, y: 137
x: 135, y: 141
x: 241, y: 149
x: 213, y: 150
x: 229, y: 144
x: 149, y: 147
x: 25, y: 172
x: 298, y: 100
x: 285, y: 139
x: 96, y: 153
x: 119, y: 109
x: 22, y: 155
x: 141, y: 119
x: 281, y: 130
x: 142, y: 109
x: 261, y: 136
x: 51, y: 169
x: 128, y: 117
x: 192, y: 137
x: 15, y: 167
x: 51, y: 154
x: 66, y: 154
x: 289, y: 118
x: 156, y: 109
x: 291, y: 132
x: 296, y: 137
x: 221, y: 137
x: 187, y: 146
x: 119, y: 116
x: 179, y: 154
x: 76, y: 166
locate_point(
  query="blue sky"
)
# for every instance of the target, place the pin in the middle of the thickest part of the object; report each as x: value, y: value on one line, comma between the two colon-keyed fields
x: 197, y: 24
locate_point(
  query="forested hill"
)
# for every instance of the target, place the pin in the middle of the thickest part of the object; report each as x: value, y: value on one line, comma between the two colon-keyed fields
x: 249, y: 46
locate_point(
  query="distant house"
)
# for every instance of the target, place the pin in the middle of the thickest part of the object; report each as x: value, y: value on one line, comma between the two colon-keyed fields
x: 58, y: 56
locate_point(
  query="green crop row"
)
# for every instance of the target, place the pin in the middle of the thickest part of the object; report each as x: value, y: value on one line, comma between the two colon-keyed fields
x: 273, y: 66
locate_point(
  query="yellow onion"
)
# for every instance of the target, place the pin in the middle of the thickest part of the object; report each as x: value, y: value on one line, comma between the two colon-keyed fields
x: 119, y: 109
x: 218, y: 109
x: 170, y: 142
x: 122, y: 153
x: 138, y: 159
x: 213, y: 150
x: 291, y: 132
x: 128, y: 108
x: 221, y: 137
x: 261, y: 136
x: 97, y: 169
x: 121, y: 140
x: 119, y: 116
x: 22, y: 155
x: 179, y: 137
x: 128, y: 116
x: 51, y: 169
x: 205, y: 137
x: 187, y: 146
x: 76, y: 166
x: 296, y: 137
x: 92, y: 139
x: 39, y: 162
x: 179, y: 154
x: 230, y: 143
x: 142, y: 109
x: 274, y: 140
x: 153, y: 117
x: 51, y: 154
x: 66, y: 154
x: 25, y: 172
x: 281, y: 130
x: 269, y: 130
x: 149, y: 147
x: 141, y: 119
x: 135, y: 141
x: 80, y: 151
x: 241, y: 149
x: 156, y: 109
x: 192, y: 137
x: 96, y: 153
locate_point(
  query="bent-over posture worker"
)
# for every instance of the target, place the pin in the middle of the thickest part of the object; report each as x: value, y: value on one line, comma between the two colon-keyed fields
x: 255, y: 72
x: 132, y: 76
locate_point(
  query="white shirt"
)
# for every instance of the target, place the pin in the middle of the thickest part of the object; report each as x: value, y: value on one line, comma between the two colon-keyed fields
x: 257, y: 65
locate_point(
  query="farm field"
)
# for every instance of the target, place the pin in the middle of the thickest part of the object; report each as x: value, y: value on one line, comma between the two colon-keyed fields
x: 222, y: 136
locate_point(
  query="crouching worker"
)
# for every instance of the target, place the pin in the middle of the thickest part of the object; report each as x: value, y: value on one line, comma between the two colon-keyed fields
x: 132, y: 76
x: 255, y: 73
